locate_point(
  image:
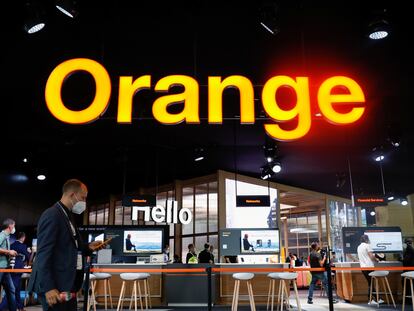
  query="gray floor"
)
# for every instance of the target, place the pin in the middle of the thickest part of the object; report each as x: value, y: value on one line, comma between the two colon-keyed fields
x: 320, y: 304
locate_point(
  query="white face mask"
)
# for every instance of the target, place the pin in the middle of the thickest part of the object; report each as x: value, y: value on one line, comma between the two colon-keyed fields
x: 13, y: 231
x: 79, y: 207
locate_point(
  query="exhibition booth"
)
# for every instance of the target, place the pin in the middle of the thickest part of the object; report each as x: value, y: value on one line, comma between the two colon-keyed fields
x: 252, y: 225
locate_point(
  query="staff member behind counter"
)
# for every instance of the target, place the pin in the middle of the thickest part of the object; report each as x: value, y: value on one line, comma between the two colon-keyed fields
x: 367, y: 259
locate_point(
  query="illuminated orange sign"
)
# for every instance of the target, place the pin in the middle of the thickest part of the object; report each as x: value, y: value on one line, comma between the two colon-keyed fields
x: 189, y: 97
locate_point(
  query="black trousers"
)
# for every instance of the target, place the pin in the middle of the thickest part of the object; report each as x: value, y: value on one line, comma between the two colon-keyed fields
x: 366, y: 274
x: 71, y: 305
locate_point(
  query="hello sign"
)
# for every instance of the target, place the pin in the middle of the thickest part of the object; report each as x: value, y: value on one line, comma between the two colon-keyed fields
x: 128, y: 88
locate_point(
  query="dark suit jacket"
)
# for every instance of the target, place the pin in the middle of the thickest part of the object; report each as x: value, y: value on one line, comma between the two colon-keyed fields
x: 128, y: 244
x: 56, y: 258
x: 22, y: 254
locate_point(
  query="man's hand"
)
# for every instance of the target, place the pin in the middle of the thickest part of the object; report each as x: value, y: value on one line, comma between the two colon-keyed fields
x: 97, y: 245
x: 12, y: 253
x: 52, y: 297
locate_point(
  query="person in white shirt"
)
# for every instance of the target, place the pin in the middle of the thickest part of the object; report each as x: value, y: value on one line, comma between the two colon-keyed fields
x: 367, y: 258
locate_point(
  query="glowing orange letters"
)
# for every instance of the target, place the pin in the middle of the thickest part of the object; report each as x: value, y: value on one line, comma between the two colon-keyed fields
x: 189, y: 97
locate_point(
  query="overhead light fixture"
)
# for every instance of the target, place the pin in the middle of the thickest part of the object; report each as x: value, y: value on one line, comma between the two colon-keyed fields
x: 268, y: 18
x: 378, y: 154
x: 390, y: 198
x: 19, y: 178
x: 199, y: 155
x: 379, y: 27
x: 34, y: 21
x: 41, y: 177
x: 67, y: 7
x: 276, y: 167
x: 340, y: 180
x: 394, y: 135
x: 286, y: 206
x: 267, y: 172
x: 404, y: 201
x: 283, y: 218
x: 25, y: 160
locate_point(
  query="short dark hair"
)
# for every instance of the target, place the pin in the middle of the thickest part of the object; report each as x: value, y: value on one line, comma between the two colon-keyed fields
x: 72, y: 185
x: 314, y: 245
x: 7, y: 222
x: 190, y: 245
x: 364, y: 238
x: 206, y: 246
x: 20, y: 235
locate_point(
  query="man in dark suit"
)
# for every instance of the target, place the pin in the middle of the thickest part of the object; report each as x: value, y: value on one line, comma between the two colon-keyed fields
x: 246, y: 244
x: 57, y: 271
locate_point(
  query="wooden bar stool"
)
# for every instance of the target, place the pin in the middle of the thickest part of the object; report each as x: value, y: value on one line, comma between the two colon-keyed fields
x: 271, y: 295
x: 376, y: 276
x: 135, y: 278
x: 242, y: 277
x: 410, y: 277
x: 286, y: 278
x: 25, y: 278
x: 91, y: 295
x: 105, y: 277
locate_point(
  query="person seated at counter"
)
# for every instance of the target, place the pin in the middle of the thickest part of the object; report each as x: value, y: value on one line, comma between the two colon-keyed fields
x: 191, y: 255
x: 246, y: 244
x: 177, y: 259
x: 367, y: 259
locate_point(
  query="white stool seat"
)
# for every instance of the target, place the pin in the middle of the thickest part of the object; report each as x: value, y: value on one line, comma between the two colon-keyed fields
x: 288, y: 275
x: 26, y: 276
x: 102, y: 276
x: 409, y: 275
x: 274, y: 275
x: 243, y: 276
x: 134, y: 276
x: 92, y: 277
x: 379, y: 274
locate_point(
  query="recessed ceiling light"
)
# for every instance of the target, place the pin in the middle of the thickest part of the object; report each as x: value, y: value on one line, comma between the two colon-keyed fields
x: 41, y: 177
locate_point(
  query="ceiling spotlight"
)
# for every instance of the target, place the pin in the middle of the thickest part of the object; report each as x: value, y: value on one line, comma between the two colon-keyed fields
x: 34, y: 21
x: 41, y: 177
x: 277, y: 167
x: 379, y: 27
x: 340, y: 180
x: 394, y: 136
x: 268, y: 18
x: 267, y: 172
x: 378, y: 154
x: 390, y: 198
x: 25, y: 160
x: 199, y: 155
x: 67, y: 7
x: 269, y: 159
x: 404, y: 201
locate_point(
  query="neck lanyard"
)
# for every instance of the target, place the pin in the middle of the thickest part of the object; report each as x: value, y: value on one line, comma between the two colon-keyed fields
x: 70, y: 223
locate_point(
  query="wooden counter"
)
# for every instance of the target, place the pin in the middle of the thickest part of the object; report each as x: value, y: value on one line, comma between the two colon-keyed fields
x: 353, y: 287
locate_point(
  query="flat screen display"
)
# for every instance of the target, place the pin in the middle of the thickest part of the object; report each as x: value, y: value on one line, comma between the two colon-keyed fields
x: 385, y: 241
x: 142, y: 241
x: 259, y: 241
